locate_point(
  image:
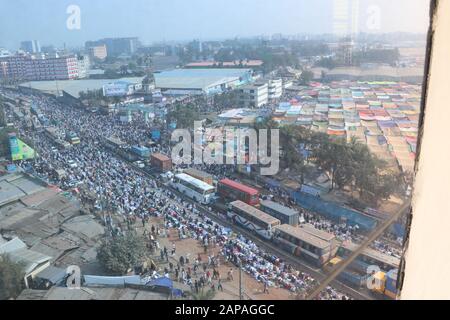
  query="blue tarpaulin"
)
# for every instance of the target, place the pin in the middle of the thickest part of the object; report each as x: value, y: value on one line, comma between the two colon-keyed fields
x: 156, y: 135
x: 273, y: 183
x: 112, y: 281
x: 333, y: 211
x: 161, y: 282
x: 398, y: 229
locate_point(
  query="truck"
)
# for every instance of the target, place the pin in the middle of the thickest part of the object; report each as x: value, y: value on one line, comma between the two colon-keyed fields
x: 72, y: 138
x: 161, y: 162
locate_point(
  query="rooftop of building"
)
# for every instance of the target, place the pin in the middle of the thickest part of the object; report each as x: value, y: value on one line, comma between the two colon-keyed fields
x: 17, y: 185
x: 74, y: 87
x: 199, y: 79
x: 61, y: 293
x: 245, y: 63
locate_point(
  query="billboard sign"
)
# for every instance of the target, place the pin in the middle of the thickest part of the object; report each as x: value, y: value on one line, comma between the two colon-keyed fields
x: 117, y: 89
x: 20, y: 150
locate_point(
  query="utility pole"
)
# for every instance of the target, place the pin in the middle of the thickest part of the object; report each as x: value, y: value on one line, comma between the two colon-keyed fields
x: 241, y: 295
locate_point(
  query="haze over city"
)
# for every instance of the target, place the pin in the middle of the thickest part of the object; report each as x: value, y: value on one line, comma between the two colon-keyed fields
x: 214, y: 150
x: 175, y: 20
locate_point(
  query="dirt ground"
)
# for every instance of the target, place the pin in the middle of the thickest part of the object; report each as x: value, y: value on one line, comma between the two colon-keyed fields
x: 191, y: 248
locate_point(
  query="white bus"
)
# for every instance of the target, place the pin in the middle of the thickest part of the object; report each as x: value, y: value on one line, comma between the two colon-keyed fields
x: 195, y: 189
x: 253, y: 219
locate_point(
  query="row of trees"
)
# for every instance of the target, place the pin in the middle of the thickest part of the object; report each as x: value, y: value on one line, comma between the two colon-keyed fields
x: 272, y: 58
x: 390, y: 56
x: 349, y: 166
x: 184, y: 115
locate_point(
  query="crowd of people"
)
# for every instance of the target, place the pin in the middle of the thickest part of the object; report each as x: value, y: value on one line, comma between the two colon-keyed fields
x: 116, y: 185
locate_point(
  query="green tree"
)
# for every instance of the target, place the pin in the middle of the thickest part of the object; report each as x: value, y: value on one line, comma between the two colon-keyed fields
x: 306, y: 77
x: 2, y: 113
x: 123, y: 69
x: 184, y: 115
x: 122, y: 253
x: 4, y: 141
x: 132, y: 66
x: 11, y: 278
x: 328, y: 63
x: 202, y: 295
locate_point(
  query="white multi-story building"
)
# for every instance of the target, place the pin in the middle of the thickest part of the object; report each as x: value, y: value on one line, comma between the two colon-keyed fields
x: 253, y: 96
x: 83, y: 66
x: 275, y: 88
x: 25, y: 67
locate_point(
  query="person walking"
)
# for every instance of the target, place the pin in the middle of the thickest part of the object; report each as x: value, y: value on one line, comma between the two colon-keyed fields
x: 266, y: 287
x: 173, y: 249
x: 230, y: 275
x: 219, y: 286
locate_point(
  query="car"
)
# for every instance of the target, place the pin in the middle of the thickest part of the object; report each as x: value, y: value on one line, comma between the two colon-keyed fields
x: 54, y: 149
x: 139, y: 164
x: 72, y: 164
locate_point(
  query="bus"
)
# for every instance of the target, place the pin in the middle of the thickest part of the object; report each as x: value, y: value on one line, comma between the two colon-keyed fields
x: 61, y: 144
x: 285, y: 214
x: 357, y: 273
x: 200, y: 175
x: 51, y: 133
x: 252, y: 218
x: 368, y: 257
x: 24, y: 102
x: 232, y: 190
x: 315, y: 246
x: 193, y: 188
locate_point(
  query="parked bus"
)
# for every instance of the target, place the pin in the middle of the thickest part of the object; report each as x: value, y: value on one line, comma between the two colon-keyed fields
x: 285, y: 214
x: 193, y: 188
x: 112, y: 143
x: 232, y: 190
x: 369, y: 257
x: 356, y: 274
x: 253, y: 219
x: 61, y: 144
x: 315, y: 246
x: 200, y: 175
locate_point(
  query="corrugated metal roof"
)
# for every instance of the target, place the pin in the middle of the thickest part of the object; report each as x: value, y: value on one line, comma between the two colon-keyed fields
x: 52, y: 274
x: 197, y: 78
x: 17, y: 250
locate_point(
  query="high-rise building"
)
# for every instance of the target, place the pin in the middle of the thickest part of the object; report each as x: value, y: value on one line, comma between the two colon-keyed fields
x: 98, y: 52
x: 345, y: 52
x: 83, y: 66
x: 27, y: 67
x: 275, y: 88
x: 253, y: 95
x: 117, y: 46
x: 31, y: 46
x: 4, y: 53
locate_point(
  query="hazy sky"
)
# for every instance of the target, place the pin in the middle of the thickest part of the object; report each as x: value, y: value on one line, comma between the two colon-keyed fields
x: 156, y: 20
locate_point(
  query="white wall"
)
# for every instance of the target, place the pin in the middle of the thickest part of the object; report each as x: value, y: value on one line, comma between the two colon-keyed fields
x: 428, y: 253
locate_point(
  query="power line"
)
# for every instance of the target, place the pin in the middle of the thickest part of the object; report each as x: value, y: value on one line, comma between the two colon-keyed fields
x: 372, y: 237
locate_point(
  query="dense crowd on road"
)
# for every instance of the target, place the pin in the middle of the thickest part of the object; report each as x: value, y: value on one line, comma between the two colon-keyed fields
x: 117, y: 185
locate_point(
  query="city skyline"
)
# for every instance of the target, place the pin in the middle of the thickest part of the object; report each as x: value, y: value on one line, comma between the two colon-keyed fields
x: 159, y: 21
